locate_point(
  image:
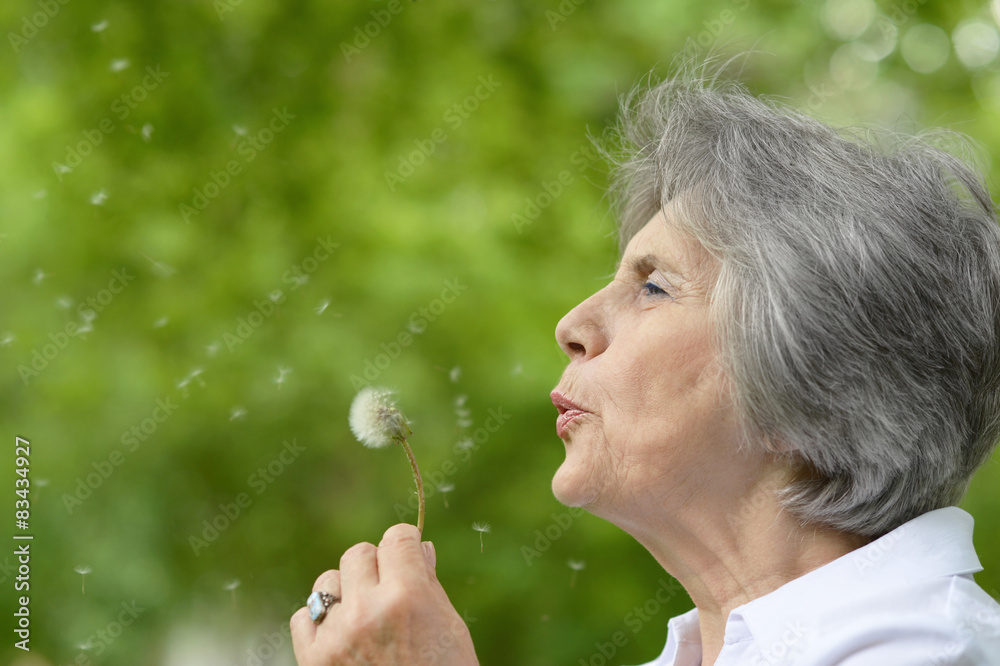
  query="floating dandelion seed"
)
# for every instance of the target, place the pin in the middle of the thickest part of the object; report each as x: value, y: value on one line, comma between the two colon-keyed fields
x: 460, y: 400
x: 231, y: 587
x: 455, y: 374
x: 120, y: 64
x: 240, y: 130
x: 444, y: 489
x: 237, y: 413
x: 39, y: 276
x: 482, y: 528
x: 280, y: 379
x: 147, y: 132
x: 161, y: 322
x: 8, y: 338
x: 98, y: 198
x: 160, y: 267
x: 194, y: 374
x: 85, y: 646
x: 324, y: 304
x: 83, y: 570
x: 100, y: 26
x: 376, y: 422
x: 213, y: 348
x: 575, y: 565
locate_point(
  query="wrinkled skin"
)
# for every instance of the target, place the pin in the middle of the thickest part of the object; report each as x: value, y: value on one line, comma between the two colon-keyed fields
x: 393, y: 612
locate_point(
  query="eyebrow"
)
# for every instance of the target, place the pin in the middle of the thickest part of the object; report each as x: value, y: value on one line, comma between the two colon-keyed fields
x: 647, y: 263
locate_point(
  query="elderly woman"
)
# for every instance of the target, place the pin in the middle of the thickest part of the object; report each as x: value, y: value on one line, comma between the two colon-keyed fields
x: 782, y: 394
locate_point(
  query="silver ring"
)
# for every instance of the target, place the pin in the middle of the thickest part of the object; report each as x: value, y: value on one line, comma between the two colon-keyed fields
x: 319, y: 603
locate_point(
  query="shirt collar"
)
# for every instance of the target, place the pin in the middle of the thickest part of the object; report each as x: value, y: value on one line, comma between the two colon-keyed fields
x: 683, y: 640
x: 933, y: 545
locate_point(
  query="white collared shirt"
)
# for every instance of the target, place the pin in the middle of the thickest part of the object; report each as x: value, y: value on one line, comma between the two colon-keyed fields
x: 905, y: 599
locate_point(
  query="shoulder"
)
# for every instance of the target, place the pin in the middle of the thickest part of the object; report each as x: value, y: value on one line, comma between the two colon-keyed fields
x: 943, y: 622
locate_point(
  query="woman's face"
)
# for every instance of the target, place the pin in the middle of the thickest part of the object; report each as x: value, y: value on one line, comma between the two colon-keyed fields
x: 654, y: 425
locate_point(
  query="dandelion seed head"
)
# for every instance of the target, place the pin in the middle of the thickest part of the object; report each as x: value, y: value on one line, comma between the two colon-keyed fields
x: 161, y: 322
x: 576, y: 565
x: 98, y: 198
x: 64, y: 302
x: 482, y: 528
x: 324, y: 304
x: 240, y: 130
x: 455, y: 374
x: 231, y: 585
x: 446, y: 487
x: 82, y: 569
x: 100, y: 26
x: 374, y: 418
x: 120, y: 64
x: 8, y: 338
x: 147, y: 132
x: 237, y: 413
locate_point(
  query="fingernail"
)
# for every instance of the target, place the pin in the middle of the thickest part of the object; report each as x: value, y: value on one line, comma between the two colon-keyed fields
x: 429, y: 552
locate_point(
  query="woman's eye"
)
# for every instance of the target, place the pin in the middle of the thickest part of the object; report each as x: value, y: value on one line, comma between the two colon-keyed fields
x: 652, y: 289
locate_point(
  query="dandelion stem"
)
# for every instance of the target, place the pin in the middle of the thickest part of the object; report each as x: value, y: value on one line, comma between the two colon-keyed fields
x: 419, y: 481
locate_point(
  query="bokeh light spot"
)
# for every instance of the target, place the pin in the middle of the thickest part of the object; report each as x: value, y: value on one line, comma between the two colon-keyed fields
x: 847, y: 19
x: 925, y: 48
x: 976, y: 43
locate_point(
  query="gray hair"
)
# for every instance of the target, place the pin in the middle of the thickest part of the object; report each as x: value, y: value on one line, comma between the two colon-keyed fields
x: 858, y: 301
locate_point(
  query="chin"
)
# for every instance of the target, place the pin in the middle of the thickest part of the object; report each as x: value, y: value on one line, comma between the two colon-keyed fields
x: 573, y: 487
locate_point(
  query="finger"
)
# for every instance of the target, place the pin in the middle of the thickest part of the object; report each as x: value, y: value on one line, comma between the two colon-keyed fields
x: 400, y: 556
x: 430, y: 554
x: 358, y: 571
x: 303, y: 633
x: 328, y: 581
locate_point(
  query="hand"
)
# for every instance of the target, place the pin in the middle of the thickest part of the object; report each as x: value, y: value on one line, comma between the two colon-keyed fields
x: 393, y: 612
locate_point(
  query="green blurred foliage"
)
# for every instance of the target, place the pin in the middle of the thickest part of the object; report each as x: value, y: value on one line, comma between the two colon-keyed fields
x: 357, y: 107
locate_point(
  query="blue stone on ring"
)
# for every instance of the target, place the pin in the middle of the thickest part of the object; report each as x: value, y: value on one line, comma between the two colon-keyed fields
x: 319, y: 603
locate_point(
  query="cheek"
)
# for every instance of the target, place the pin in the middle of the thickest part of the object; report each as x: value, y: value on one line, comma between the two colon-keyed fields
x: 665, y: 407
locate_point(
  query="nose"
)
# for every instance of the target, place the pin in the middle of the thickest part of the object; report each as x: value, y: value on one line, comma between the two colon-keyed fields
x: 581, y: 333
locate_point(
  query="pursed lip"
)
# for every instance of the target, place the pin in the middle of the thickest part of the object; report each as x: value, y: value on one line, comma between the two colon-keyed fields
x: 569, y: 412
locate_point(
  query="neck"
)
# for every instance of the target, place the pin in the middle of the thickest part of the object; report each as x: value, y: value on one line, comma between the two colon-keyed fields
x: 725, y: 558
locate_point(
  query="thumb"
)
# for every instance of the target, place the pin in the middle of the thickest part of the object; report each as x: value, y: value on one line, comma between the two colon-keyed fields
x: 429, y: 553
